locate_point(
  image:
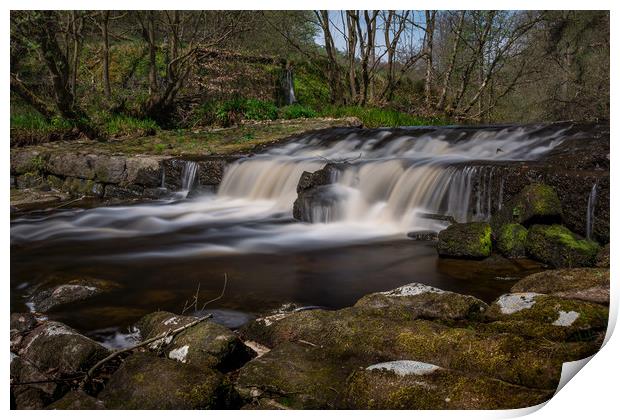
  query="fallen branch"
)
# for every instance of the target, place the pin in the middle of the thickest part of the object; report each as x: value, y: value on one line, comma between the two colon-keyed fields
x: 162, y: 336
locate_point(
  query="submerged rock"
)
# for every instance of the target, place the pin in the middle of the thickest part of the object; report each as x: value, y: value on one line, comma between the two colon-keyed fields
x: 147, y: 382
x: 589, y: 284
x: 559, y: 247
x: 413, y: 385
x: 294, y: 375
x: 511, y: 240
x: 45, y: 298
x: 206, y: 345
x: 465, y: 240
x: 423, y: 301
x: 536, y: 203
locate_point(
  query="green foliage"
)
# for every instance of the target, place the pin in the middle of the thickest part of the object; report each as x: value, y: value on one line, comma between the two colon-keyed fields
x: 30, y: 120
x: 294, y: 111
x: 260, y: 110
x: 374, y: 117
x: 122, y: 125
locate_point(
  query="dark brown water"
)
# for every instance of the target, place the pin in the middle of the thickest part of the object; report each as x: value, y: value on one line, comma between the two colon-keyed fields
x: 331, y: 278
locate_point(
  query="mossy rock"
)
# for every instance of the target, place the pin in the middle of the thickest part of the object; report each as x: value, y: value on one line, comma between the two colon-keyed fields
x: 299, y: 376
x: 365, y: 338
x: 602, y: 259
x: 411, y: 385
x: 589, y: 284
x: 578, y: 319
x: 77, y: 400
x: 206, y: 345
x: 146, y: 382
x: 559, y: 247
x: 54, y: 346
x: 41, y: 388
x: 465, y: 240
x: 423, y: 301
x: 536, y: 203
x: 511, y: 240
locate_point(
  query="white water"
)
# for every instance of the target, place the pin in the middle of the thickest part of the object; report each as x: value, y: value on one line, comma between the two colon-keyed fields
x: 391, y: 181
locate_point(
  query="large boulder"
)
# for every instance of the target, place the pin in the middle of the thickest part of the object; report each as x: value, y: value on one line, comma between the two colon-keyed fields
x: 360, y: 337
x: 206, y: 344
x: 536, y: 203
x: 46, y: 297
x: 147, y: 382
x: 421, y: 301
x: 510, y: 240
x: 295, y: 375
x: 413, y: 385
x: 465, y: 240
x: 557, y: 246
x: 589, y: 284
x: 315, y: 196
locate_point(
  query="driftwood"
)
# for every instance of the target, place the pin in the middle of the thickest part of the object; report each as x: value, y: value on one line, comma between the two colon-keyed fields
x: 161, y: 336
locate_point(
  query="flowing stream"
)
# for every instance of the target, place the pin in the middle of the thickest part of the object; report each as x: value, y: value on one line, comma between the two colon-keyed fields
x: 356, y: 243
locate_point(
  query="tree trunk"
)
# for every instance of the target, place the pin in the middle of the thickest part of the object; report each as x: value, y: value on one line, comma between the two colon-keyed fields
x: 428, y: 53
x: 106, y: 53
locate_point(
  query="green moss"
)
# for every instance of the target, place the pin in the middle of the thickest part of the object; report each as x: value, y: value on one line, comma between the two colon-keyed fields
x: 534, y: 203
x: 511, y: 240
x: 558, y: 246
x: 468, y: 240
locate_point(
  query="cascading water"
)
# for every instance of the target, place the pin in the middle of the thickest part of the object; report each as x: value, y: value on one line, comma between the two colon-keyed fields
x: 386, y: 183
x: 590, y: 212
x: 188, y: 178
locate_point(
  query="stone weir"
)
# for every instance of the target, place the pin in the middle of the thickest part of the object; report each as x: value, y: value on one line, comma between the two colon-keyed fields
x: 578, y: 170
x: 112, y: 176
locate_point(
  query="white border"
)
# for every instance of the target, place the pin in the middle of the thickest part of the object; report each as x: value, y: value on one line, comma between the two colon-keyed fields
x: 592, y: 394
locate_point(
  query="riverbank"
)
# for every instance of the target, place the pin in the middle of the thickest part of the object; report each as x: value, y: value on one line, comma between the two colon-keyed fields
x: 414, y: 347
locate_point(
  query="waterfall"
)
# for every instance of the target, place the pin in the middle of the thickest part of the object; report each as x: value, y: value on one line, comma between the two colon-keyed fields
x: 290, y: 87
x: 188, y: 178
x: 383, y: 184
x: 590, y: 212
x: 386, y: 182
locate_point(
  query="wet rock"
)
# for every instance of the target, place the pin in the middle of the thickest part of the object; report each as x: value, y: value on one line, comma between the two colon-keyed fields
x: 559, y: 247
x: 31, y: 199
x: 23, y: 322
x: 575, y: 318
x: 128, y: 192
x: 46, y: 298
x: 589, y: 284
x: 53, y: 346
x: 602, y: 259
x: 82, y: 187
x: 511, y: 240
x: 77, y: 400
x: 147, y: 382
x: 294, y: 375
x: 206, y: 345
x: 423, y: 301
x: 424, y: 235
x: 31, y: 388
x: 314, y: 193
x: 413, y: 385
x: 536, y: 203
x: 465, y: 240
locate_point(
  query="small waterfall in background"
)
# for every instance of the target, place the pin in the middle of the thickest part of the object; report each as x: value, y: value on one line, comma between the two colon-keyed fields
x: 188, y: 178
x: 288, y: 87
x: 590, y: 212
